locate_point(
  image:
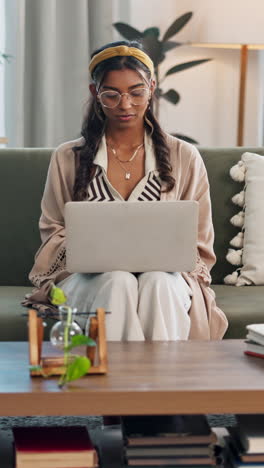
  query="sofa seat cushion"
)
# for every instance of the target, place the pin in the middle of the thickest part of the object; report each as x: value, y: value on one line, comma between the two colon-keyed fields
x: 242, y: 305
x: 13, y: 323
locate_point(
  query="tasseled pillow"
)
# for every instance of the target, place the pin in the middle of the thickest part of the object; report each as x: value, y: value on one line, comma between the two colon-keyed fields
x: 239, y: 198
x: 238, y: 173
x: 247, y: 252
x: 238, y: 240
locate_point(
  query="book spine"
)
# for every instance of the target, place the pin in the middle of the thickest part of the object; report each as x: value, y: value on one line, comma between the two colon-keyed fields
x: 251, y: 353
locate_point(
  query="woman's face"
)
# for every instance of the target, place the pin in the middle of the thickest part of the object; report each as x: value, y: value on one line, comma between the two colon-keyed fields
x: 131, y: 108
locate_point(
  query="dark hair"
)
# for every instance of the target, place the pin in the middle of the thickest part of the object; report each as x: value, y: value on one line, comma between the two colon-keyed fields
x: 94, y: 125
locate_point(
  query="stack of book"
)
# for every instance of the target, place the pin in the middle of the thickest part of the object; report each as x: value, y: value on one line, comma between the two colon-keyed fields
x: 54, y: 447
x: 255, y: 340
x: 163, y: 441
x: 245, y: 443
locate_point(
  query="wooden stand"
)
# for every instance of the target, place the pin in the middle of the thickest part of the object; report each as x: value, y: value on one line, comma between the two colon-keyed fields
x: 54, y: 365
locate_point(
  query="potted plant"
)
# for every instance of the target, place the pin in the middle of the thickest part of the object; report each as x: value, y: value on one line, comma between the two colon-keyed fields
x: 67, y: 335
x: 157, y: 48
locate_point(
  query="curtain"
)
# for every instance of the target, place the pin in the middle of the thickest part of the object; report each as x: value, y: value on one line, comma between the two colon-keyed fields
x: 2, y: 49
x: 46, y: 87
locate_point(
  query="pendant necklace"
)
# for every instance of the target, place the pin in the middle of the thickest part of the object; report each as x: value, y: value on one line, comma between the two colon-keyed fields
x: 127, y: 173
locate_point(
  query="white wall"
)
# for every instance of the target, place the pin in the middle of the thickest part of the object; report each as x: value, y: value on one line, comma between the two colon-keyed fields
x: 208, y: 109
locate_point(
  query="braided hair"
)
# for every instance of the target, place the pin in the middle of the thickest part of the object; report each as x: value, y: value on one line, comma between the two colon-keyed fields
x: 93, y: 127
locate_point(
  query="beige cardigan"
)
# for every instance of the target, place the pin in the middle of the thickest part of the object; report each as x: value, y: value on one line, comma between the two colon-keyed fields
x: 207, y: 320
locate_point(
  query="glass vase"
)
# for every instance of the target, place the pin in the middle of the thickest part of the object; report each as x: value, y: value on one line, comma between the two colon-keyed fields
x: 63, y: 331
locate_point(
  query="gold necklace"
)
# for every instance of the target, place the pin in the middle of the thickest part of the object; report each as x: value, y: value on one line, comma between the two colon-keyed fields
x: 127, y: 174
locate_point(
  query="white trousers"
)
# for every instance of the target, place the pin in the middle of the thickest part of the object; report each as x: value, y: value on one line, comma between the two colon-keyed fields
x: 147, y: 306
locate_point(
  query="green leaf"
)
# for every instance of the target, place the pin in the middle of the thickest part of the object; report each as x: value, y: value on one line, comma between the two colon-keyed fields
x: 158, y: 92
x: 177, y: 25
x: 80, y: 340
x: 153, y: 47
x: 35, y: 368
x: 6, y: 57
x: 77, y: 368
x: 166, y: 46
x: 57, y: 296
x: 185, y: 138
x: 127, y: 31
x: 184, y: 66
x: 152, y: 32
x: 171, y: 96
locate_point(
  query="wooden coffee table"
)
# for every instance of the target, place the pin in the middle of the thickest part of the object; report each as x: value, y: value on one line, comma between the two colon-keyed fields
x: 185, y: 377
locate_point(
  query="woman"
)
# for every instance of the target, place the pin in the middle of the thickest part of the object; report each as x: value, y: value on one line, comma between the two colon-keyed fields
x: 124, y: 155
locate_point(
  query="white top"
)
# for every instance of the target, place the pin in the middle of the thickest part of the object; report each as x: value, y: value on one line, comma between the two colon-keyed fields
x: 148, y: 188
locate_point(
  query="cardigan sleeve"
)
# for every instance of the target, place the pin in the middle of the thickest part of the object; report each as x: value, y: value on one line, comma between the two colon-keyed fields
x: 207, y: 320
x: 50, y: 259
x: 196, y: 187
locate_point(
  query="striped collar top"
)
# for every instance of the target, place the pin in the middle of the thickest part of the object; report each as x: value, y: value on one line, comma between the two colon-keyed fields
x: 148, y: 188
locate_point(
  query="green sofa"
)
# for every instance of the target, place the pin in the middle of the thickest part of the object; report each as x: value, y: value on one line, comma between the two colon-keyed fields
x: 23, y: 173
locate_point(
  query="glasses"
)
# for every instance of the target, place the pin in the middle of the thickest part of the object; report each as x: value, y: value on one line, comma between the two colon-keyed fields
x: 137, y: 97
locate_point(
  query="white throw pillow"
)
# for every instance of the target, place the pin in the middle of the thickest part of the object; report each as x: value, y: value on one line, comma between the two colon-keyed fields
x: 251, y: 220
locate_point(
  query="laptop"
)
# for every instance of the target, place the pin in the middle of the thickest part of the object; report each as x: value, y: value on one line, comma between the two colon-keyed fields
x: 131, y: 236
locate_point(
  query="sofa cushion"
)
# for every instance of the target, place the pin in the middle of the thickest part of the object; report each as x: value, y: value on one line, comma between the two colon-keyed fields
x: 242, y: 305
x: 13, y: 323
x: 23, y: 173
x: 238, y: 304
x: 218, y: 162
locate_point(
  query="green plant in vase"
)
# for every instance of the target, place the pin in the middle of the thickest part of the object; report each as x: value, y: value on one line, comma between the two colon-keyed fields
x: 75, y: 366
x: 66, y: 334
x: 157, y: 48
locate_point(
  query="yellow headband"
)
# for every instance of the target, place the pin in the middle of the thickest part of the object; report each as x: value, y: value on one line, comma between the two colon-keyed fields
x: 122, y: 51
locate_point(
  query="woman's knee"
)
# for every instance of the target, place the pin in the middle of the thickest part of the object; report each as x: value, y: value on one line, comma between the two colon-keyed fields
x: 122, y: 279
x: 153, y: 278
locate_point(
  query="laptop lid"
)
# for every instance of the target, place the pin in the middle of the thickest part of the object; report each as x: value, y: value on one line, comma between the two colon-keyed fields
x: 131, y: 236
